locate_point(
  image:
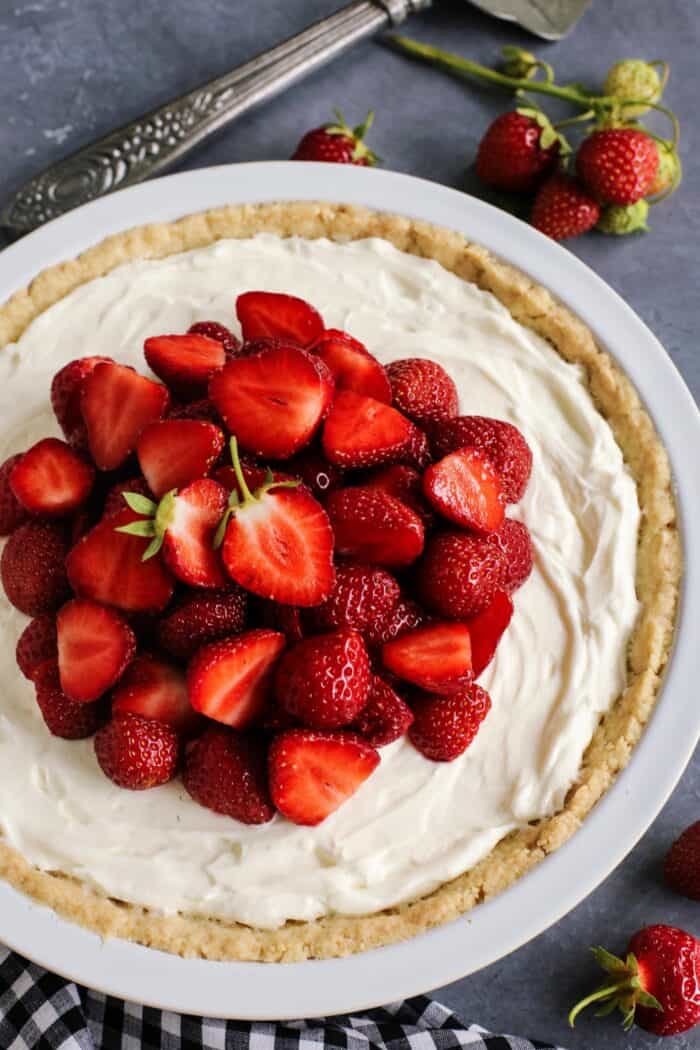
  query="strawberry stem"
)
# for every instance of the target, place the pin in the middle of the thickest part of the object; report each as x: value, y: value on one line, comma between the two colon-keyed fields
x: 238, y: 471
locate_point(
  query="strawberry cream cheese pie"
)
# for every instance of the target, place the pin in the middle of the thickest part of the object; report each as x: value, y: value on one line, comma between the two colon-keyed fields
x: 340, y: 573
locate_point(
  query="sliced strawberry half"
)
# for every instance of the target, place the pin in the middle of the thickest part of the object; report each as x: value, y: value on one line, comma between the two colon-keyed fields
x: 273, y: 401
x: 278, y: 542
x: 374, y: 527
x: 154, y: 688
x: 230, y: 680
x: 352, y: 365
x: 117, y: 403
x: 95, y: 645
x: 363, y: 432
x: 107, y: 566
x: 173, y: 452
x: 464, y: 487
x: 437, y: 657
x: 185, y: 363
x: 66, y: 399
x: 271, y: 314
x: 313, y: 773
x: 486, y: 630
x: 51, y: 480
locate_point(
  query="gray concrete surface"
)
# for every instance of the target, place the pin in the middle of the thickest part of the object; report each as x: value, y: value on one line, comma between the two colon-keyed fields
x: 71, y: 69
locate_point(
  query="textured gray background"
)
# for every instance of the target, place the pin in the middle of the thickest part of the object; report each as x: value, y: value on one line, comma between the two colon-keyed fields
x: 72, y: 69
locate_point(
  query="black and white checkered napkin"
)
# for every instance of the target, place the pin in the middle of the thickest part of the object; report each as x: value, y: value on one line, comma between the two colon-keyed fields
x: 40, y: 1011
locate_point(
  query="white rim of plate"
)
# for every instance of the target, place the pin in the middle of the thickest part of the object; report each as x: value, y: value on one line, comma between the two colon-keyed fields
x: 268, y: 991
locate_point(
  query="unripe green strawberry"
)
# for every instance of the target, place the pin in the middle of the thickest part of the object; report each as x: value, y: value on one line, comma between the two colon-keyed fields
x: 633, y: 78
x: 668, y: 173
x: 623, y: 218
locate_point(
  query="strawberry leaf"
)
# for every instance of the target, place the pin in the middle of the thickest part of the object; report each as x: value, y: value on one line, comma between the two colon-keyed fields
x: 153, y: 547
x: 145, y: 527
x: 140, y: 504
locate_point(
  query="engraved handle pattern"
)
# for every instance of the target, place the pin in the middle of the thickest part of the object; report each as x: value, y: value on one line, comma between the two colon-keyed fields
x: 164, y: 136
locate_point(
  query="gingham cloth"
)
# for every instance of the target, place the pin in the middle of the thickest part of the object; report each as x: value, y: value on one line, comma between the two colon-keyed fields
x: 40, y: 1011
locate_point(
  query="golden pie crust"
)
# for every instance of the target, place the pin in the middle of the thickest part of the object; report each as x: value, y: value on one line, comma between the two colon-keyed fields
x: 659, y: 564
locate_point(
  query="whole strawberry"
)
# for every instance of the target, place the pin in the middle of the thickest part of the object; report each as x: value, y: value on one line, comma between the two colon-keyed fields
x: 226, y: 771
x: 337, y: 143
x: 563, y: 208
x: 32, y: 567
x: 12, y: 513
x: 324, y: 680
x: 136, y: 752
x: 516, y: 153
x: 618, y: 165
x: 682, y: 868
x: 657, y: 984
x: 64, y: 717
x: 445, y: 726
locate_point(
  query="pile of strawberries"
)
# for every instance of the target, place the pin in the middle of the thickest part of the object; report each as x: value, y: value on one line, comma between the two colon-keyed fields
x: 263, y: 629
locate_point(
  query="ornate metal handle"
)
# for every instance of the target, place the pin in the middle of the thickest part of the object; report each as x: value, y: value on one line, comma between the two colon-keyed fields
x: 164, y: 136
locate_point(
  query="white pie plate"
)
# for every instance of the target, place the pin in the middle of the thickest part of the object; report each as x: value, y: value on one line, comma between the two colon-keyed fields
x: 312, y: 989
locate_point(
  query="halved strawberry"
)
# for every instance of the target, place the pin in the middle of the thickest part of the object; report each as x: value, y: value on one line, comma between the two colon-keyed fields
x: 374, y: 527
x: 273, y: 401
x: 156, y: 689
x: 363, y: 432
x: 486, y: 629
x: 173, y: 452
x: 230, y: 680
x: 352, y: 365
x: 185, y: 363
x: 313, y: 773
x: 66, y: 392
x: 385, y: 717
x: 51, y: 480
x: 117, y: 403
x: 503, y: 443
x: 464, y: 487
x: 278, y: 542
x: 107, y: 566
x: 437, y: 657
x: 95, y: 645
x: 264, y: 314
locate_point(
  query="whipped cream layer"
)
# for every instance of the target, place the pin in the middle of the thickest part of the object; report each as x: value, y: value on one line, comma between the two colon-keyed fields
x: 414, y: 824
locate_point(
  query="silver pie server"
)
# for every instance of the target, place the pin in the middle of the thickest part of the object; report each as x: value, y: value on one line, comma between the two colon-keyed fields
x: 159, y: 139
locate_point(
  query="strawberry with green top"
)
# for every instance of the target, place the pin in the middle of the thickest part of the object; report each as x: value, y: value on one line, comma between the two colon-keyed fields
x: 338, y: 143
x: 518, y: 151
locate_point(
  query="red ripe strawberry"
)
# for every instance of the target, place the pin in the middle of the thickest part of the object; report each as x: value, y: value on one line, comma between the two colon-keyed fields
x: 465, y: 488
x: 278, y: 543
x: 405, y: 616
x: 174, y: 452
x: 66, y: 394
x: 273, y: 401
x: 422, y: 390
x: 36, y: 644
x: 337, y: 143
x: 185, y: 363
x: 324, y: 680
x: 272, y: 315
x: 618, y: 165
x: 459, y: 574
x: 117, y: 403
x: 226, y: 771
x: 363, y: 432
x: 385, y: 717
x: 51, y: 480
x: 64, y: 717
x: 657, y: 985
x: 374, y: 527
x: 136, y: 752
x: 352, y: 365
x: 503, y: 443
x: 107, y: 566
x: 682, y: 868
x: 417, y: 452
x: 155, y: 689
x: 514, y: 541
x: 486, y: 630
x: 230, y: 680
x: 190, y: 521
x: 314, y: 470
x: 436, y: 657
x: 284, y: 618
x: 363, y: 597
x: 313, y: 773
x: 445, y: 726
x: 199, y: 619
x: 511, y: 157
x: 32, y: 568
x: 95, y: 645
x: 12, y: 513
x: 405, y: 484
x: 563, y: 208
x: 214, y: 330
x: 115, y: 502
